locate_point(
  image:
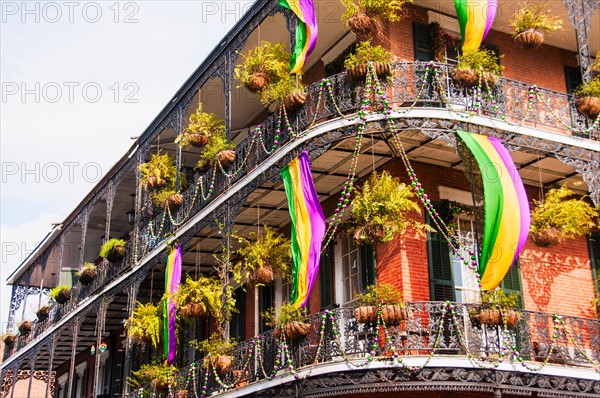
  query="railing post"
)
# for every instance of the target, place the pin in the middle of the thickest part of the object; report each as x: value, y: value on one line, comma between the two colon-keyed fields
x: 100, y: 325
x: 74, y: 329
x: 580, y: 14
x: 133, y: 291
x: 51, y: 347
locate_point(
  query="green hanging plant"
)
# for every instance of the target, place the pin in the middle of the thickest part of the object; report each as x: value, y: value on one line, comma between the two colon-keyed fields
x: 113, y: 250
x: 383, y: 298
x: 588, y: 102
x: 87, y: 273
x: 154, y: 376
x: 196, y: 298
x: 218, y: 352
x: 477, y: 65
x: 496, y: 309
x: 159, y: 172
x: 263, y: 257
x: 363, y: 17
x: 356, y: 63
x: 288, y: 90
x: 287, y: 318
x: 380, y: 209
x: 262, y: 65
x: 559, y: 217
x: 144, y: 324
x: 61, y: 294
x: 534, y: 16
x: 217, y: 149
x: 201, y: 127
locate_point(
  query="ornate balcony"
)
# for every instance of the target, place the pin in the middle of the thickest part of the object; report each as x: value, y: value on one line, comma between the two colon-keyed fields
x: 438, y: 343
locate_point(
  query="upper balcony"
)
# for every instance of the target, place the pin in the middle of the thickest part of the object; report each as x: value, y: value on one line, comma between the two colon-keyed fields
x: 539, y: 125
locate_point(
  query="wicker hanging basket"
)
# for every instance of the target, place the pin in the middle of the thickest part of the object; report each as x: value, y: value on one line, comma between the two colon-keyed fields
x: 116, y: 254
x: 358, y: 73
x: 160, y: 384
x: 364, y: 26
x: 25, y: 328
x: 494, y: 317
x: 197, y: 140
x: 257, y: 81
x: 174, y: 202
x: 262, y: 275
x: 154, y: 183
x: 588, y: 106
x: 547, y: 237
x: 192, y: 310
x: 530, y: 38
x: 465, y: 76
x: 366, y: 314
x: 42, y: 314
x: 393, y: 314
x: 10, y: 340
x: 294, y: 100
x: 295, y: 330
x: 87, y: 275
x: 226, y: 157
x: 63, y: 296
x: 222, y: 364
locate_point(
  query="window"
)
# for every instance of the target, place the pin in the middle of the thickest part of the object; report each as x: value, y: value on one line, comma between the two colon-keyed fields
x: 594, y: 248
x: 356, y: 265
x: 237, y: 325
x: 326, y: 279
x: 465, y: 281
x: 266, y: 301
x: 572, y: 78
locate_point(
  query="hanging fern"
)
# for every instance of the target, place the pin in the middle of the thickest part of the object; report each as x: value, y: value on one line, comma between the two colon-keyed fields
x: 144, y: 324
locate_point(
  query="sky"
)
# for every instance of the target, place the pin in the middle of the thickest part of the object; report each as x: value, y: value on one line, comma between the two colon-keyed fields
x: 78, y: 80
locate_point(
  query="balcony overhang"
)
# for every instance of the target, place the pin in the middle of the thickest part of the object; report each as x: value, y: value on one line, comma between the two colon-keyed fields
x: 439, y: 373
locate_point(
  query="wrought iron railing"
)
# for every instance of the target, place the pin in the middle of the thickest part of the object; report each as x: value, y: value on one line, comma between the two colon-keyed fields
x: 429, y: 329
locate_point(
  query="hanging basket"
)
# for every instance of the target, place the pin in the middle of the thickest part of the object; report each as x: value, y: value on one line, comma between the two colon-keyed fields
x: 197, y: 140
x: 294, y: 100
x: 174, y: 202
x: 295, y: 330
x: 370, y: 233
x: 530, y: 38
x: 366, y: 314
x: 226, y: 158
x: 358, y: 73
x: 364, y: 26
x: 10, y: 340
x: 257, y: 81
x: 547, y: 237
x: 588, y: 106
x: 116, y: 254
x: 63, y: 296
x: 466, y: 77
x: 160, y: 384
x: 222, y: 364
x: 192, y: 310
x: 87, y: 275
x: 493, y: 317
x: 154, y: 183
x: 25, y: 328
x: 393, y: 314
x: 262, y: 275
x: 42, y: 314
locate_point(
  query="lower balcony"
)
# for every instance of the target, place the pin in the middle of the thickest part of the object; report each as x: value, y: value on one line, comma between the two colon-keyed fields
x: 437, y: 347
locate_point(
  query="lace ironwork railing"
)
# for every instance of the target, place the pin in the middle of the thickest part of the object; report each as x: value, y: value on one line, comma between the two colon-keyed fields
x: 428, y: 329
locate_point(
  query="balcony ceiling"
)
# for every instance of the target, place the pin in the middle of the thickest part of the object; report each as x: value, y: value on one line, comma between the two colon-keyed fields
x: 565, y: 39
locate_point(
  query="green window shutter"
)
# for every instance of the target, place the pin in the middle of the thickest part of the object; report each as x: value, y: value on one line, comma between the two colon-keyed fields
x: 594, y: 248
x: 512, y: 282
x: 441, y: 283
x: 422, y: 42
x: 572, y: 78
x: 326, y: 279
x: 367, y: 265
x: 237, y: 326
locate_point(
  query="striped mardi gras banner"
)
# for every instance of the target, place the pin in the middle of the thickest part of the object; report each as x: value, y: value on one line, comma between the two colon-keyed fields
x: 172, y: 280
x: 475, y: 18
x: 308, y: 227
x: 506, y: 208
x: 306, y: 31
